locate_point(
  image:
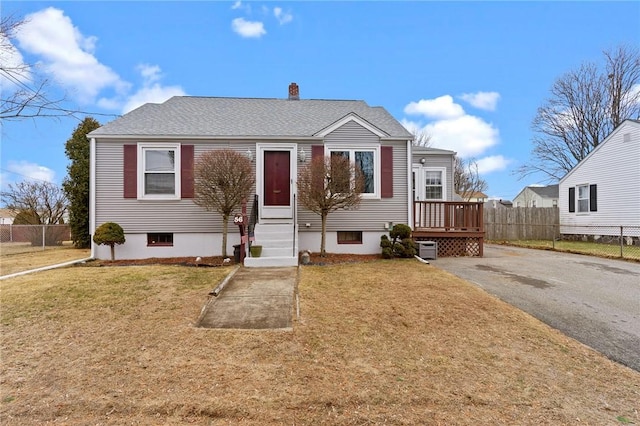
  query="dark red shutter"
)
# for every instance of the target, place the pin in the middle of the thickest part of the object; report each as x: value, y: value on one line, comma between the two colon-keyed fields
x: 593, y: 198
x: 130, y: 176
x: 572, y: 200
x: 186, y: 171
x: 386, y: 172
x: 317, y: 151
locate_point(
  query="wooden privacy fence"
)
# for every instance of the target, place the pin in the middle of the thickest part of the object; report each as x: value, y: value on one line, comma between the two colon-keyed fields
x: 521, y: 223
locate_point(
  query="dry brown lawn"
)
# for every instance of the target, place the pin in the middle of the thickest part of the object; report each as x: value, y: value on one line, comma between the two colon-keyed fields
x: 14, y: 258
x: 382, y: 342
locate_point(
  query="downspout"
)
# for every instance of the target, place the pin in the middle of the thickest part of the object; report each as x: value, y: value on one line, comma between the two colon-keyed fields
x: 92, y: 194
x: 409, y: 184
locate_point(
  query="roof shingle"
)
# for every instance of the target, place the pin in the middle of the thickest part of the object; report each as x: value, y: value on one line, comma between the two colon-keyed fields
x: 240, y: 117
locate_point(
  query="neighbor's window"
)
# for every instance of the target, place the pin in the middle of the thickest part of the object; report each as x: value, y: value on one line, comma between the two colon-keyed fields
x: 583, y: 198
x: 160, y: 173
x: 367, y: 159
x: 160, y: 239
x: 349, y: 237
x: 433, y: 185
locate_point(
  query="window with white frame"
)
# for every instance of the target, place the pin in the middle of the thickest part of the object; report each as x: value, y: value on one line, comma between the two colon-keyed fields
x: 368, y: 160
x: 583, y: 198
x: 433, y: 185
x: 159, y: 171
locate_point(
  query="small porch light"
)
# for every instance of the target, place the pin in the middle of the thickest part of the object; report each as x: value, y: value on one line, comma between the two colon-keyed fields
x: 249, y: 154
x: 302, y: 156
x: 423, y: 160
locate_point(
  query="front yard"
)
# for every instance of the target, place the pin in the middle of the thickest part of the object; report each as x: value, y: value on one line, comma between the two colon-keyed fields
x: 395, y: 342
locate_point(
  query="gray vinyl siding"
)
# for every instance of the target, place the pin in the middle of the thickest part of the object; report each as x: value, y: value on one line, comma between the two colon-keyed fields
x: 142, y: 216
x: 438, y: 160
x: 370, y: 215
x: 614, y: 166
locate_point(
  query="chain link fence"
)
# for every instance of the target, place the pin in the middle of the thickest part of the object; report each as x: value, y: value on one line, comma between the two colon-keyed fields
x: 608, y: 241
x: 27, y: 238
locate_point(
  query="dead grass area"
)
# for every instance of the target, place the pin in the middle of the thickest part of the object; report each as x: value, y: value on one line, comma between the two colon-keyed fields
x: 12, y: 261
x: 395, y: 342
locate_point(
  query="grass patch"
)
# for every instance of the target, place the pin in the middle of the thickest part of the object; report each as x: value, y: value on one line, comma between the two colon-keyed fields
x: 394, y: 342
x: 14, y: 259
x: 579, y: 247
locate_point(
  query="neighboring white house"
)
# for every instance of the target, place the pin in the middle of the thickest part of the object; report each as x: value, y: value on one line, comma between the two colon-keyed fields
x: 537, y: 196
x: 6, y: 216
x: 497, y: 203
x: 602, y: 193
x: 474, y: 197
x: 279, y: 136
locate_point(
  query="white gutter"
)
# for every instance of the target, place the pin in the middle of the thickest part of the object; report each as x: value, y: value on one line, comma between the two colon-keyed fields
x: 409, y: 183
x: 45, y: 268
x: 92, y: 194
x: 210, y: 137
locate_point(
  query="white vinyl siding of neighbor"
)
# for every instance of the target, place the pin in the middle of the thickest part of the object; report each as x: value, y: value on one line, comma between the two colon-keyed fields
x: 614, y: 168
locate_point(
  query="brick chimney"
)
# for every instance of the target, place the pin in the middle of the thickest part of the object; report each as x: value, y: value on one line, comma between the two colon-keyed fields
x: 294, y: 92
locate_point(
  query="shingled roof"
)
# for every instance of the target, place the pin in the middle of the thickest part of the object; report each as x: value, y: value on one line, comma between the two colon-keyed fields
x: 549, y: 191
x: 250, y: 117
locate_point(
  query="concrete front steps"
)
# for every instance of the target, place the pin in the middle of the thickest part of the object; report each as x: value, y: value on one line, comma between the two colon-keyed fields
x: 277, y: 246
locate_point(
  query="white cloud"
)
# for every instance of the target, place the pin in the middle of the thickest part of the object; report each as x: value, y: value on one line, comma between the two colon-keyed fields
x: 482, y: 100
x: 24, y: 170
x: 248, y: 29
x: 67, y: 54
x: 450, y: 127
x: 282, y: 17
x: 151, y: 91
x: 493, y: 163
x: 237, y: 5
x: 442, y: 107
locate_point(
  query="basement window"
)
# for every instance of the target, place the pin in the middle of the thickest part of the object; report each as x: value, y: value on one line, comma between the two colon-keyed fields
x: 349, y: 237
x: 160, y: 240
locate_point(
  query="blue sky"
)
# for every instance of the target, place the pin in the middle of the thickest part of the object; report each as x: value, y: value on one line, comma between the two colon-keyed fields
x: 471, y: 74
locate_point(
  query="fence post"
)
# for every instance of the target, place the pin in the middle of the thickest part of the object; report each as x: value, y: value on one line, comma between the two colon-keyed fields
x: 621, y: 242
x: 43, y: 234
x: 553, y: 237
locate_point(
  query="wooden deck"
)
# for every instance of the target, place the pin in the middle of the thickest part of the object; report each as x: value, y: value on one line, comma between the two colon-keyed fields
x: 457, y: 227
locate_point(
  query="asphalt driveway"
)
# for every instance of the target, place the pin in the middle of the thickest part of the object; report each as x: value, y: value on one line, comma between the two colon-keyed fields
x: 595, y: 301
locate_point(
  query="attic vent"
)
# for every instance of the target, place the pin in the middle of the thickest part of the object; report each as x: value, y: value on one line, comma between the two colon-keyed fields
x: 626, y: 137
x: 294, y: 92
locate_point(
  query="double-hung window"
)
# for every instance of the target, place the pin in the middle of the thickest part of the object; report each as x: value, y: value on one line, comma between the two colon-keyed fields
x: 367, y: 159
x: 583, y: 198
x: 159, y: 171
x: 433, y: 184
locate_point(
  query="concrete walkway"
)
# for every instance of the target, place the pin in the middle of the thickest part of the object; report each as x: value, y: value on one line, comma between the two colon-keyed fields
x: 254, y: 298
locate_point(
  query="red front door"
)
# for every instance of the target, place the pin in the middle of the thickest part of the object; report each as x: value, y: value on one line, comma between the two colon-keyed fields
x: 277, y: 178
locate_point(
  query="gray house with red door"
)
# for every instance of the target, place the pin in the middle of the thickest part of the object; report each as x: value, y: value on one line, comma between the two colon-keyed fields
x: 142, y: 174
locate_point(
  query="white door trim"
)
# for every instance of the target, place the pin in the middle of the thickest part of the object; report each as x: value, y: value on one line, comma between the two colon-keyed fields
x: 276, y: 213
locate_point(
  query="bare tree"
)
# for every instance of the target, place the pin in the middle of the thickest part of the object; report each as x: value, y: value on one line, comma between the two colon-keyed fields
x: 328, y: 184
x: 466, y: 179
x: 223, y: 180
x: 25, y: 92
x: 584, y: 108
x: 422, y: 138
x: 38, y: 203
x: 43, y: 200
